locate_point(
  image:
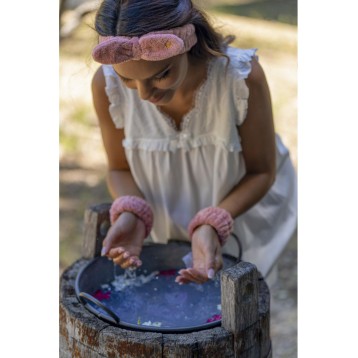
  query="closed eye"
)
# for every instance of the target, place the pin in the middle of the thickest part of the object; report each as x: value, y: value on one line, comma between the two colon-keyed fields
x: 163, y: 76
x: 160, y: 77
x: 125, y: 80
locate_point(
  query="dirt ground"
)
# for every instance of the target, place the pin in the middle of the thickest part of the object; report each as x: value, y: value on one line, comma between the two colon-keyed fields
x: 82, y: 160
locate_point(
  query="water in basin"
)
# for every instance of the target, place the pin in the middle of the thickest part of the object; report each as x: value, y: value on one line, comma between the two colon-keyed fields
x: 155, y: 299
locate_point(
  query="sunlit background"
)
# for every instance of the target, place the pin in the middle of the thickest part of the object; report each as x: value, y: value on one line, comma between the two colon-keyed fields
x: 270, y: 26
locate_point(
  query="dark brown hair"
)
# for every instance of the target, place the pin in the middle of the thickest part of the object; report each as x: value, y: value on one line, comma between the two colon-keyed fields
x: 138, y: 17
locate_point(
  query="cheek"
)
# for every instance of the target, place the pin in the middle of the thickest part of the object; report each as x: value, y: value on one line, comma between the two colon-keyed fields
x: 172, y: 82
x: 166, y: 84
x: 130, y: 85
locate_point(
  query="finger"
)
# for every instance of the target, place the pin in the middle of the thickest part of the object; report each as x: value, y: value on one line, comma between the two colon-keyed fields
x: 126, y: 254
x: 210, y: 265
x: 138, y: 262
x: 113, y: 233
x: 199, y: 276
x: 218, y: 264
x: 189, y: 276
x: 133, y: 261
x: 127, y: 263
x: 116, y: 252
x: 181, y: 280
x: 104, y: 251
x: 188, y: 271
x: 211, y: 273
x: 121, y: 258
x: 185, y: 275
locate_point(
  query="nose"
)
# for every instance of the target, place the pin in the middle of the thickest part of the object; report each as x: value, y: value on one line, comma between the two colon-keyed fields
x: 145, y: 90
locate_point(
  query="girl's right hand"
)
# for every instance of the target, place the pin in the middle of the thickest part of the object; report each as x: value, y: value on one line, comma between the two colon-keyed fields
x: 124, y: 241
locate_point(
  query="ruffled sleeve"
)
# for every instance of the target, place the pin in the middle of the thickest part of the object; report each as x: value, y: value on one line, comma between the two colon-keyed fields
x: 116, y: 95
x: 240, y: 68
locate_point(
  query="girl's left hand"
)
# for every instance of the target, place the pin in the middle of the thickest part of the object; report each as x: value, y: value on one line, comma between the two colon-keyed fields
x: 207, y: 258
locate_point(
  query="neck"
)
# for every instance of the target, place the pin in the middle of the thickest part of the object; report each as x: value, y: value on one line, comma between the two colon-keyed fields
x: 197, y: 72
x: 184, y: 97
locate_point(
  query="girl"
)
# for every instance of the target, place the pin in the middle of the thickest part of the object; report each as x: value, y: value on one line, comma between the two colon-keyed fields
x: 187, y: 126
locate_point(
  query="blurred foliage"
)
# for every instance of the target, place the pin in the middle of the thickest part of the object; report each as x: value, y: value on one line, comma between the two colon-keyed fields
x: 69, y: 142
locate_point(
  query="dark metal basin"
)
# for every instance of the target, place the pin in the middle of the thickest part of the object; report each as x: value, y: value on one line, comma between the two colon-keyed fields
x: 155, y: 257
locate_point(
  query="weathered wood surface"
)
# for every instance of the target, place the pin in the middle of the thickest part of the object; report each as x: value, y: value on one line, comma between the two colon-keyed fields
x: 245, y: 304
x: 239, y: 295
x: 84, y: 335
x: 96, y: 225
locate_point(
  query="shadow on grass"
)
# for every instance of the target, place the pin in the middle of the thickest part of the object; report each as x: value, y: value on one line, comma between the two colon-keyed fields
x: 284, y: 11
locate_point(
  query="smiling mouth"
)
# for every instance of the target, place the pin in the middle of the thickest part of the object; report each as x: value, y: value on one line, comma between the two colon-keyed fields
x: 156, y: 99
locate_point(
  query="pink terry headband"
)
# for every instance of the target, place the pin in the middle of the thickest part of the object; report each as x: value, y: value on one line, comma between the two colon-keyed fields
x: 154, y: 46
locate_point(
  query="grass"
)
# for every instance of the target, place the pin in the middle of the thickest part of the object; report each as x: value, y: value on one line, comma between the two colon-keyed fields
x: 284, y: 11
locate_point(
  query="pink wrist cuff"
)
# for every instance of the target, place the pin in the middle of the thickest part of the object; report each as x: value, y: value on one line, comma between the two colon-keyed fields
x: 218, y: 218
x: 135, y: 205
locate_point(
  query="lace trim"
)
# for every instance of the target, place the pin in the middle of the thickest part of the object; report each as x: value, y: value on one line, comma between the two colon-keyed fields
x: 196, y: 104
x: 241, y: 61
x: 242, y: 107
x: 180, y: 142
x: 240, y: 67
x: 115, y: 96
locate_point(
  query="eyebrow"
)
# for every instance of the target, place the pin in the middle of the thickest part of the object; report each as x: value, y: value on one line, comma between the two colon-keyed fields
x: 156, y: 74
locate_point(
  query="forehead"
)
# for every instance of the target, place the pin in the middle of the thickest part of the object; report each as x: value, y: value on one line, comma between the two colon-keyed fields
x: 141, y: 70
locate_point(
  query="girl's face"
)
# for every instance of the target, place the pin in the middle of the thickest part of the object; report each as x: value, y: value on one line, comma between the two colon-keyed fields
x: 155, y: 81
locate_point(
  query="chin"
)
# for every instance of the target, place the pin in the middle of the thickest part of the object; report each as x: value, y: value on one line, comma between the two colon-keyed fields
x: 166, y: 99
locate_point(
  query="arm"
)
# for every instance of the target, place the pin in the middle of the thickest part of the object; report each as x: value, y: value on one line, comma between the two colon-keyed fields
x: 119, y: 179
x: 258, y: 144
x: 124, y: 239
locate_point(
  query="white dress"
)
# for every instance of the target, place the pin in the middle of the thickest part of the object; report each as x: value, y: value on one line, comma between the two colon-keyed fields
x: 181, y: 172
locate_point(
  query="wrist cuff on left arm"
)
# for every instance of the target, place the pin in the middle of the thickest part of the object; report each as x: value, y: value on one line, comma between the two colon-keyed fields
x: 218, y: 218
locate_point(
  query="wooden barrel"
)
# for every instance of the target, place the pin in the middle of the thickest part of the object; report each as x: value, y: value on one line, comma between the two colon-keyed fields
x: 244, y: 331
